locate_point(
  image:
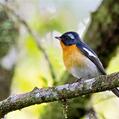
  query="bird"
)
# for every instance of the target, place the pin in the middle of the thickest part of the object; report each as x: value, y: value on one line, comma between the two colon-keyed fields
x: 79, y: 59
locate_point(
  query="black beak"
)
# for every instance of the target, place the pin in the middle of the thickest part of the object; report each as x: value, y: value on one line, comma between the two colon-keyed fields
x: 58, y: 38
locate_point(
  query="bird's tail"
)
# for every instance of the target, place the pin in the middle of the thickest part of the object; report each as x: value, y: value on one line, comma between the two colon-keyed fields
x: 115, y: 91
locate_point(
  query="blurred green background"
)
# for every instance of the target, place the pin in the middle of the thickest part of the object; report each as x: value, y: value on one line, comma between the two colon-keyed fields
x: 23, y: 65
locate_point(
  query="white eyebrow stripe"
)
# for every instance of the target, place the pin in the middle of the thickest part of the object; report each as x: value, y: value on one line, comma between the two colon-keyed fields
x: 89, y: 52
x: 71, y: 36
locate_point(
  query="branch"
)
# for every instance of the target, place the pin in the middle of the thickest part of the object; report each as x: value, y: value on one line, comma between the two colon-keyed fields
x: 33, y: 34
x: 67, y: 91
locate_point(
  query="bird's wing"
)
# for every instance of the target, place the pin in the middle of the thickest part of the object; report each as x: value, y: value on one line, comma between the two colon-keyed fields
x: 94, y: 58
x: 88, y: 52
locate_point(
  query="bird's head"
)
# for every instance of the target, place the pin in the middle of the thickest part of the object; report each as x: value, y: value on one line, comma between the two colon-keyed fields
x: 69, y: 38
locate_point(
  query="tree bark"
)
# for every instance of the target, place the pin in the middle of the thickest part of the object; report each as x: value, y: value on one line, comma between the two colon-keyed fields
x: 103, y: 32
x: 8, y: 35
x: 63, y: 92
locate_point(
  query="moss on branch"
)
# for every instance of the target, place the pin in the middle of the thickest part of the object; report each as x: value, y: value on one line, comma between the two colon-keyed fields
x: 67, y: 91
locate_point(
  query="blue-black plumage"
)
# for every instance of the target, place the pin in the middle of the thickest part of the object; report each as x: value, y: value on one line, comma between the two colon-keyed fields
x: 80, y: 60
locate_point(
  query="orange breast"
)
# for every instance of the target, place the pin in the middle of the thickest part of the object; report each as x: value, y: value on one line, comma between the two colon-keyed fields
x: 72, y: 56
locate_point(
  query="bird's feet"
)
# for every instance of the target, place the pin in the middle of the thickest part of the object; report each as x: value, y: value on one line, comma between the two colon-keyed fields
x: 76, y: 80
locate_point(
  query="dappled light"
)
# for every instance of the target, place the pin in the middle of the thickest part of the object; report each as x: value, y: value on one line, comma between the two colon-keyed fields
x: 30, y: 56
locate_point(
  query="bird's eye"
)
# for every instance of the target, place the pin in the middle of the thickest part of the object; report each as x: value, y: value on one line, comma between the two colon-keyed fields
x: 69, y: 40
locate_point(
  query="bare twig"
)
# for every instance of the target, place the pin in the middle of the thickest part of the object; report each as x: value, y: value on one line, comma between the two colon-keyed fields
x: 91, y: 114
x: 33, y: 34
x: 67, y: 91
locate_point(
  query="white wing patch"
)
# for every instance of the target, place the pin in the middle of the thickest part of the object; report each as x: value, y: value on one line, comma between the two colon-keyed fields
x: 89, y: 52
x: 71, y: 36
